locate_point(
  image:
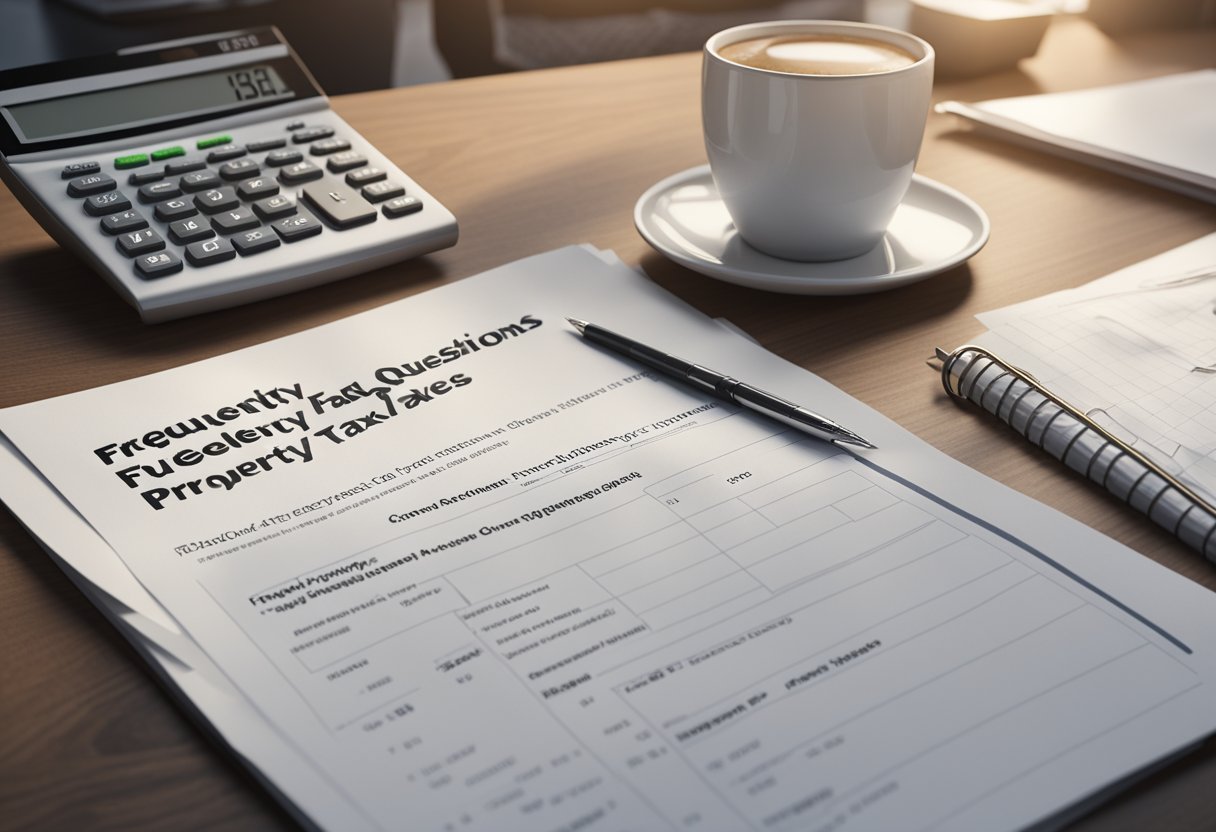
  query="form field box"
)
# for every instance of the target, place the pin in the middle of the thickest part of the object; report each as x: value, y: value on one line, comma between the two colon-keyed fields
x: 739, y: 531
x: 681, y: 583
x: 643, y: 546
x: 808, y: 499
x: 842, y: 544
x: 711, y: 518
x: 783, y: 537
x: 867, y: 502
x: 713, y: 596
x: 799, y: 479
x: 568, y: 544
x: 657, y: 566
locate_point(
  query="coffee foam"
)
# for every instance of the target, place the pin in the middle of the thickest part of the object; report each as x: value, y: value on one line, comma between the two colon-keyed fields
x: 818, y: 54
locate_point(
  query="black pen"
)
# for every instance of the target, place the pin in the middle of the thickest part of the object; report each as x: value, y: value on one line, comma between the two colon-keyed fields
x: 723, y: 386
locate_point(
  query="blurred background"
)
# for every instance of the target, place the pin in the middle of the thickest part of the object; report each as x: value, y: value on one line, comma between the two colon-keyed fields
x: 372, y: 44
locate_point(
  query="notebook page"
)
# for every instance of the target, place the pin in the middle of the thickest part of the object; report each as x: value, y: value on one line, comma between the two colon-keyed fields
x: 1136, y: 352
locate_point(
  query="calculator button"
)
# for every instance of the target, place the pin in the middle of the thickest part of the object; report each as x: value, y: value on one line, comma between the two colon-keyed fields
x: 214, y: 141
x: 265, y: 144
x: 156, y: 191
x: 143, y: 177
x: 216, y: 199
x: 295, y: 125
x: 275, y: 206
x: 400, y: 206
x: 174, y: 209
x: 328, y: 146
x: 168, y: 153
x: 238, y: 219
x: 178, y: 168
x: 96, y: 183
x: 347, y: 160
x: 123, y: 221
x: 297, y: 227
x: 311, y: 134
x: 240, y: 169
x: 380, y: 191
x: 225, y: 152
x: 340, y: 206
x: 257, y: 188
x: 132, y: 160
x: 187, y: 231
x: 278, y: 158
x: 209, y: 252
x: 158, y: 265
x: 200, y: 181
x: 364, y: 176
x: 107, y: 203
x: 79, y: 169
x: 251, y: 242
x: 133, y: 243
x: 300, y: 172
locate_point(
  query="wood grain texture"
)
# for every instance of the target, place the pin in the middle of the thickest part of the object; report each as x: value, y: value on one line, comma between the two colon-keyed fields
x: 530, y: 162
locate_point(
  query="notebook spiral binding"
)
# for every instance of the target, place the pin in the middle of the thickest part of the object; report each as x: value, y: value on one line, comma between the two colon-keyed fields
x: 1015, y: 397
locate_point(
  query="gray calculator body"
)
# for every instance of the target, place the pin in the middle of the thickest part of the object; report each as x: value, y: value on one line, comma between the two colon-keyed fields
x: 200, y: 174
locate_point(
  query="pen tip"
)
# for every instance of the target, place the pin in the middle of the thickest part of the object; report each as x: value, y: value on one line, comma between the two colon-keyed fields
x: 854, y: 440
x: 577, y: 324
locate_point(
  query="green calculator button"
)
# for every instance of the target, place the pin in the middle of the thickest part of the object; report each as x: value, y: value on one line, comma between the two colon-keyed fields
x: 134, y: 160
x: 168, y: 153
x: 214, y: 141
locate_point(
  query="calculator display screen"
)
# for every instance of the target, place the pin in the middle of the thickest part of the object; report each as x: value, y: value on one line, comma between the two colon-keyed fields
x: 146, y: 104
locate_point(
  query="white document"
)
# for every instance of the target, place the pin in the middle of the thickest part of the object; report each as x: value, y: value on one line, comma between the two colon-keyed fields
x: 1160, y: 130
x: 483, y: 575
x: 1135, y: 351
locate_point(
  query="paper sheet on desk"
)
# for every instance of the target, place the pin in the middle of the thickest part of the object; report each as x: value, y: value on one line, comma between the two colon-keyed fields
x: 1136, y: 351
x: 691, y: 617
x: 1160, y: 130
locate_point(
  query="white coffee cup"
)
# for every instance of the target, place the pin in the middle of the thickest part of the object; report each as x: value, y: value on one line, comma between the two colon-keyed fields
x: 812, y: 167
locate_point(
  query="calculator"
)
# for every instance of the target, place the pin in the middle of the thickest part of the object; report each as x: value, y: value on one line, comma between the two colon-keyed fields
x: 207, y: 172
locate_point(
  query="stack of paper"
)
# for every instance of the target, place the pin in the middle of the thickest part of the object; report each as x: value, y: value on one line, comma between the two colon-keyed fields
x: 1159, y: 131
x: 446, y: 565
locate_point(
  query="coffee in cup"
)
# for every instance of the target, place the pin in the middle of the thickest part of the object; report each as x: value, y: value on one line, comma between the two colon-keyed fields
x: 818, y: 54
x: 812, y: 129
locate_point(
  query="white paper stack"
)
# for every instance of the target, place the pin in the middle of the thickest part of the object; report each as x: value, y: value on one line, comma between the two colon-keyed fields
x: 446, y: 565
x: 1161, y: 131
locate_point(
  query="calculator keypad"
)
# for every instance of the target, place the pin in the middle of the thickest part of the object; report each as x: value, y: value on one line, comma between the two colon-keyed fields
x: 296, y: 228
x: 143, y: 177
x: 287, y: 156
x: 107, y: 203
x: 254, y: 241
x: 216, y: 200
x: 77, y: 169
x: 159, y: 264
x: 123, y: 221
x: 93, y: 184
x: 156, y: 191
x: 174, y: 209
x: 209, y: 252
x: 236, y: 197
x: 134, y: 243
x: 188, y: 231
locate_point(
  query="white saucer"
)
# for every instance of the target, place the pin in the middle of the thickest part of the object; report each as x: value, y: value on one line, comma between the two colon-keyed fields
x: 934, y: 229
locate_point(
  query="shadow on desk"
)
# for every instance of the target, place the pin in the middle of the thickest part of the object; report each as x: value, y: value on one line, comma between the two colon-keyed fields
x: 51, y: 291
x: 860, y: 316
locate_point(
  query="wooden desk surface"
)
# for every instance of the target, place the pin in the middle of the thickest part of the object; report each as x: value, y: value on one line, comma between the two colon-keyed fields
x: 527, y: 163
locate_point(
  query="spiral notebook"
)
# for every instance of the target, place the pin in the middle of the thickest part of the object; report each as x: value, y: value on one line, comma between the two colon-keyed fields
x: 1117, y: 379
